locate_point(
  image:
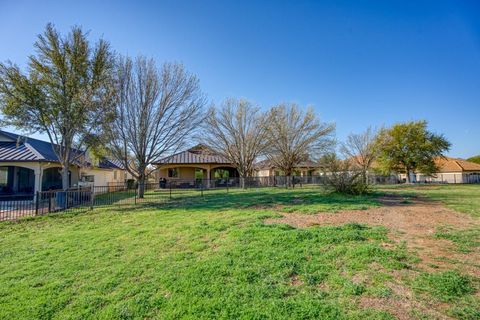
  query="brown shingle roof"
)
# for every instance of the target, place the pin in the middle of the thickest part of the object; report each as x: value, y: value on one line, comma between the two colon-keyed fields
x: 455, y: 165
x: 266, y: 164
x: 196, y: 155
x: 447, y: 164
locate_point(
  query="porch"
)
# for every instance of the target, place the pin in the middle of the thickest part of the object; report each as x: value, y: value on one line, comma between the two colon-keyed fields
x: 188, y: 175
x: 25, y: 179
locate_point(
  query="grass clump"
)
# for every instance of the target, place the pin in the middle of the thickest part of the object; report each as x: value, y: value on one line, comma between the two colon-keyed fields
x: 444, y: 286
x: 465, y: 240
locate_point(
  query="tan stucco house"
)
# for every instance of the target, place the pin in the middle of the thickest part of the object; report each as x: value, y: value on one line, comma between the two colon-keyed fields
x: 197, y: 163
x: 29, y: 165
x: 304, y: 169
x: 450, y: 170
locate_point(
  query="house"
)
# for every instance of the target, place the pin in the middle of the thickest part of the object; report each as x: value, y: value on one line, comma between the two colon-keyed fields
x: 450, y: 170
x: 29, y: 165
x: 307, y: 168
x: 197, y: 163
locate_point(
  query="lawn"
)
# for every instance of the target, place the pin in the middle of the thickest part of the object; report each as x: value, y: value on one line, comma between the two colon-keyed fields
x: 214, y: 257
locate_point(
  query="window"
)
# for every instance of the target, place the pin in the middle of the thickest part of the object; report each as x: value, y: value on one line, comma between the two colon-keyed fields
x: 3, y: 177
x: 90, y: 178
x: 115, y: 174
x: 198, y: 174
x: 221, y: 173
x: 173, y: 173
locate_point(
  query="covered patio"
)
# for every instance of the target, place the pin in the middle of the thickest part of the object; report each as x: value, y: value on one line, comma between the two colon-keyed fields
x: 195, y: 165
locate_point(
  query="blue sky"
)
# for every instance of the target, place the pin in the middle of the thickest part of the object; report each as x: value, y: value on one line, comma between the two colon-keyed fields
x: 358, y: 63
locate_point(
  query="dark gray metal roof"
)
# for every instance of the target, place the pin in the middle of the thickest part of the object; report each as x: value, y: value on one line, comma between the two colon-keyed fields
x: 30, y: 149
x: 10, y: 151
x: 196, y: 155
x: 110, y: 164
x: 25, y: 149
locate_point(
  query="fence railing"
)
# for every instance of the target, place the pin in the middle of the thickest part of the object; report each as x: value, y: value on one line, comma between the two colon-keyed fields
x: 180, y: 191
x: 18, y: 206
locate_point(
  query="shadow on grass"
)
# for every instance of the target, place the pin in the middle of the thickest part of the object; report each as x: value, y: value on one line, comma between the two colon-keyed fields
x: 307, y: 200
x: 269, y: 198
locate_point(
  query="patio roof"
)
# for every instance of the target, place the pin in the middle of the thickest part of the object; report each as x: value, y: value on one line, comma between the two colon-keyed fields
x: 199, y: 154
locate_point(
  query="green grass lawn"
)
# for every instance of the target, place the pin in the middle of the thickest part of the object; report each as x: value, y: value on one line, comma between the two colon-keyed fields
x: 464, y: 198
x: 213, y: 257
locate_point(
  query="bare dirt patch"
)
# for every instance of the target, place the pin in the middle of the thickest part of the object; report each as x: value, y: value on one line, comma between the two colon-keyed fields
x: 402, y: 307
x: 413, y: 220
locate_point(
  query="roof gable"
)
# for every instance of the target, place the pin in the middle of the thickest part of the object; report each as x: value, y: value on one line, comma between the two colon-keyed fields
x: 447, y: 164
x: 199, y: 154
x: 26, y: 147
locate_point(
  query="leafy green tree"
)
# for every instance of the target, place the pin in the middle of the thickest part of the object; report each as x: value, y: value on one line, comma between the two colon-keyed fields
x: 65, y: 93
x: 410, y: 147
x: 475, y: 159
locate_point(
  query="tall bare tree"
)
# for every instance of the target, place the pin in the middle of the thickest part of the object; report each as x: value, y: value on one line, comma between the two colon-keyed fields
x: 156, y: 112
x: 65, y: 93
x: 236, y: 130
x: 295, y: 136
x: 361, y: 150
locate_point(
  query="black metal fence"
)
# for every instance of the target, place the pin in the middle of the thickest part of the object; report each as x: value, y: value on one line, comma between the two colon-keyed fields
x: 178, y: 191
x: 13, y: 207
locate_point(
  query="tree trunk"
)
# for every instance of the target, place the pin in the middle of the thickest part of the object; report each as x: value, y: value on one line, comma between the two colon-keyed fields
x: 409, y: 180
x: 242, y: 182
x: 141, y: 185
x: 288, y: 180
x: 65, y: 177
x: 365, y: 177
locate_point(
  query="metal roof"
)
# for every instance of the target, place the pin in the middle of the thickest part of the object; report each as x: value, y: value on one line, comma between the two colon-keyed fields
x: 25, y: 149
x: 106, y: 163
x: 11, y: 151
x: 30, y: 149
x: 197, y: 155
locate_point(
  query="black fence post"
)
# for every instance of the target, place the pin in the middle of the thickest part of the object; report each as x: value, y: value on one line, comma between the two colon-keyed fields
x: 49, y: 201
x: 201, y: 188
x: 170, y: 185
x: 37, y: 199
x: 92, y: 197
x: 135, y: 198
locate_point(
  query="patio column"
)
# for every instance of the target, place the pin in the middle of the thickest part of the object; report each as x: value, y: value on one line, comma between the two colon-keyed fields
x: 38, y: 181
x: 15, y: 179
x: 208, y: 177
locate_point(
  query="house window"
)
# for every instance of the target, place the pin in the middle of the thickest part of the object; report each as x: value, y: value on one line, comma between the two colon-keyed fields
x: 90, y: 178
x: 115, y: 174
x: 198, y: 174
x: 173, y: 173
x: 3, y: 177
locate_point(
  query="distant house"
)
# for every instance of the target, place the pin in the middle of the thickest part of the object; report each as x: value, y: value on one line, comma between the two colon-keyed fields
x: 29, y: 165
x: 197, y: 163
x: 307, y: 168
x: 450, y: 170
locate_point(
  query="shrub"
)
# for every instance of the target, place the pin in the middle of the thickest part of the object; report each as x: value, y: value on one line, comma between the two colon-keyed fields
x: 342, y: 176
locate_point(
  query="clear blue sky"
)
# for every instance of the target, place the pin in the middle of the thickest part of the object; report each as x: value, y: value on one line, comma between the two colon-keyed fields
x: 358, y: 63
